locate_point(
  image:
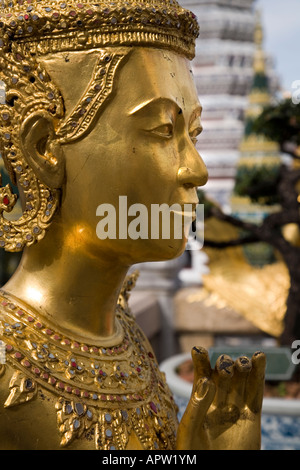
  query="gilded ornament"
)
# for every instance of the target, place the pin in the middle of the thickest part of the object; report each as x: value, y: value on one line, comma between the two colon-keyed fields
x: 102, y: 394
x: 22, y: 388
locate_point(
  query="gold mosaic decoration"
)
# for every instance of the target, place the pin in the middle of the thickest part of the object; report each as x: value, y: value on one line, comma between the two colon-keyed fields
x: 97, y: 92
x: 102, y: 393
x: 49, y: 26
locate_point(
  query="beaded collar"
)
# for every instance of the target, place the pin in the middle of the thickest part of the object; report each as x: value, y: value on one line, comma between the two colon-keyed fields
x: 102, y: 393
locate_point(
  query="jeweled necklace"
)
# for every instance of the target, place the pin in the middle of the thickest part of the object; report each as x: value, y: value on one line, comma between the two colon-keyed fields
x: 103, y: 393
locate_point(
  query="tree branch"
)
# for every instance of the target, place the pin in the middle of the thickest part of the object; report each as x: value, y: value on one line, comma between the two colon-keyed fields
x: 231, y: 243
x: 247, y: 226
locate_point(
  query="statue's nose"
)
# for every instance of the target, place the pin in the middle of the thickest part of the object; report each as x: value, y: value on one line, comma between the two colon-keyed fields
x: 192, y: 171
x: 193, y: 176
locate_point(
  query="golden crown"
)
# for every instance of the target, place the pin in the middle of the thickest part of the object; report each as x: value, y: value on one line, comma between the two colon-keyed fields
x: 49, y: 26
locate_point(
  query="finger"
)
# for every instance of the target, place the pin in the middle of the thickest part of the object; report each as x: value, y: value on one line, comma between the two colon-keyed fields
x: 242, y: 369
x: 222, y: 376
x: 201, y: 364
x: 203, y: 393
x: 256, y: 381
x: 191, y: 425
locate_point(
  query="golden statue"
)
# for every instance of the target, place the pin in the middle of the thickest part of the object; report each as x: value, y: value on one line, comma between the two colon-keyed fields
x: 100, y: 103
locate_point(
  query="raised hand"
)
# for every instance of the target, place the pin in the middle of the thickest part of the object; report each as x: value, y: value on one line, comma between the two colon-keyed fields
x: 224, y: 411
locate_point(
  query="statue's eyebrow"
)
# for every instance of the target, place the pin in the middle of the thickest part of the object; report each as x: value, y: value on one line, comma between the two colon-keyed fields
x: 154, y: 102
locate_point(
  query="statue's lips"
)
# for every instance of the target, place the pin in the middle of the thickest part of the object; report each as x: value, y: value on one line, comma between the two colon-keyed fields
x: 188, y: 211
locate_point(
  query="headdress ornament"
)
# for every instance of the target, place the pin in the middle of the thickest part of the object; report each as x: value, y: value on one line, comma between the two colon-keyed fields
x: 49, y: 26
x: 29, y: 29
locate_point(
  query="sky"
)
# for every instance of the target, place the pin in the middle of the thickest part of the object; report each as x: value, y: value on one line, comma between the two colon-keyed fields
x: 281, y: 21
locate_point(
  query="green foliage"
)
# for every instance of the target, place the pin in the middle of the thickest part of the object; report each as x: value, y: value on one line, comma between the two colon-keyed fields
x: 280, y: 122
x: 259, y: 183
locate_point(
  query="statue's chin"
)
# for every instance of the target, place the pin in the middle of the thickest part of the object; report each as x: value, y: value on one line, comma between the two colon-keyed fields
x: 166, y: 250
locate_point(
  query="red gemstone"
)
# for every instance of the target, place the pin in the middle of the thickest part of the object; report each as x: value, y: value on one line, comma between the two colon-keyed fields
x: 6, y: 200
x: 153, y: 407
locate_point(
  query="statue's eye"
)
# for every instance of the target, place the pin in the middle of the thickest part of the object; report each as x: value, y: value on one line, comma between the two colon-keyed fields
x: 166, y: 130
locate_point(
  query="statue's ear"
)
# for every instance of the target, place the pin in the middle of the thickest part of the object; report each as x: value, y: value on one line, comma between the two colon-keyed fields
x: 42, y: 152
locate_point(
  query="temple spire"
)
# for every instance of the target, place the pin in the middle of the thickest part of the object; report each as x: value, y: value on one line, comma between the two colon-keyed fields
x: 260, y: 158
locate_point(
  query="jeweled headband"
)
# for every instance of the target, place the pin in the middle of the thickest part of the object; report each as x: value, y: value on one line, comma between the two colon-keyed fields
x: 30, y: 29
x: 49, y: 26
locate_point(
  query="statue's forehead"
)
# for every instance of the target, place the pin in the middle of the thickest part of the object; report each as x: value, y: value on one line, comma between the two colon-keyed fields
x: 155, y: 74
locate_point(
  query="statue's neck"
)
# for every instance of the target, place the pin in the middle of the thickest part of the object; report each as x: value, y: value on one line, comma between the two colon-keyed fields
x: 66, y: 283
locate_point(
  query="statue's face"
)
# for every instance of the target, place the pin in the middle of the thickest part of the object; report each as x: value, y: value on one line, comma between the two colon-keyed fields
x: 142, y: 147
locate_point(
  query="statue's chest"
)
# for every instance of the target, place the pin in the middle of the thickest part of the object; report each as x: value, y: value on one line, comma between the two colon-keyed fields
x: 102, y: 395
